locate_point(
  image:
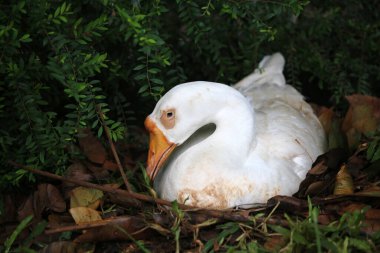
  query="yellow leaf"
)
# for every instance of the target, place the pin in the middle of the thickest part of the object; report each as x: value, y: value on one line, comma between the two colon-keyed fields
x: 344, y: 183
x: 86, y: 197
x: 84, y: 214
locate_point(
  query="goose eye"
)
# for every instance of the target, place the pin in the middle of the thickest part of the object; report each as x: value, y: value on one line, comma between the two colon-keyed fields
x: 168, y: 118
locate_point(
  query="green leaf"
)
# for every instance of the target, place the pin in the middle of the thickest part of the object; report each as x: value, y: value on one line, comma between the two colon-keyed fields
x: 63, y: 19
x: 37, y: 230
x: 25, y: 38
x: 157, y: 81
x: 10, y: 240
x: 371, y: 149
x: 42, y: 157
x: 63, y: 8
x: 143, y: 88
x: 100, y: 131
x: 376, y: 155
x: 154, y: 70
x: 285, y: 232
x: 115, y: 125
x: 139, y: 67
x: 361, y: 245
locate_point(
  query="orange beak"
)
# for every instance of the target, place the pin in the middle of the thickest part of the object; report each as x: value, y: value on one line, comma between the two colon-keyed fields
x: 159, y: 149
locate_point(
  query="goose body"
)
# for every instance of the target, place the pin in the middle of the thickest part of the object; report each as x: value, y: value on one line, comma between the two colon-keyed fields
x: 216, y: 146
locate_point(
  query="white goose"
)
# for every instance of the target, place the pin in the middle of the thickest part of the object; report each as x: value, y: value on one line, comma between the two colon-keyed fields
x: 215, y: 146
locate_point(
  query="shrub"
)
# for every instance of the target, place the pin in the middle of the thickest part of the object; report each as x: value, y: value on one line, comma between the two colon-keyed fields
x: 64, y: 62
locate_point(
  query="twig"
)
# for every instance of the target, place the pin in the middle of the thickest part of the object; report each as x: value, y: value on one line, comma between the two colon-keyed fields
x: 88, y: 225
x: 113, y: 149
x: 219, y: 214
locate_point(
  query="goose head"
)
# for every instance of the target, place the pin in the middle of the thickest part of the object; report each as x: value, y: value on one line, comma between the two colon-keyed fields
x: 181, y: 112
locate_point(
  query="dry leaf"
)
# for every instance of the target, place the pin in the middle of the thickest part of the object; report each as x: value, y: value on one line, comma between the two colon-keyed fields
x: 56, y: 220
x: 9, y: 211
x: 363, y: 114
x: 79, y: 172
x: 316, y: 187
x: 46, y: 197
x: 84, y: 214
x: 326, y: 116
x: 119, y: 228
x: 344, y: 183
x: 319, y: 168
x: 98, y: 172
x: 55, y: 199
x: 372, y: 191
x: 374, y: 102
x: 60, y: 247
x: 325, y: 218
x: 86, y: 197
x: 353, y: 138
x: 91, y: 147
x: 372, y: 216
x: 26, y: 209
x: 109, y: 165
x: 274, y: 243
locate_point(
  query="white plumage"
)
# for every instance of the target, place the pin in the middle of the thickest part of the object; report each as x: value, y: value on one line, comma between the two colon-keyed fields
x: 216, y: 146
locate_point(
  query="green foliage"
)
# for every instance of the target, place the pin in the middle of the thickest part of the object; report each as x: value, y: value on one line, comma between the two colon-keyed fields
x: 373, y: 151
x: 227, y: 230
x: 333, y: 45
x: 24, y: 246
x: 340, y: 236
x: 8, y: 243
x: 65, y: 63
x: 176, y: 228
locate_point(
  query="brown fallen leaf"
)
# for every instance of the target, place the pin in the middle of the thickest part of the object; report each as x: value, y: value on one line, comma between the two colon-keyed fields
x: 370, y: 213
x: 120, y: 228
x: 26, y: 208
x: 275, y: 242
x: 363, y: 114
x: 320, y: 178
x: 91, y: 146
x: 55, y: 199
x: 46, y: 197
x: 59, y: 220
x: 356, y: 164
x: 79, y: 172
x: 353, y: 138
x: 325, y: 116
x: 318, y: 169
x: 68, y: 247
x: 287, y: 203
x: 317, y: 187
x: 371, y: 191
x: 84, y: 214
x: 343, y: 183
x: 371, y: 224
x: 9, y: 211
x: 98, y: 172
x: 109, y: 165
x: 325, y: 218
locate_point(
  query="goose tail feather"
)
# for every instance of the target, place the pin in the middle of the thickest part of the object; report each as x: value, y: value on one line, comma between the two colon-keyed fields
x: 270, y: 70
